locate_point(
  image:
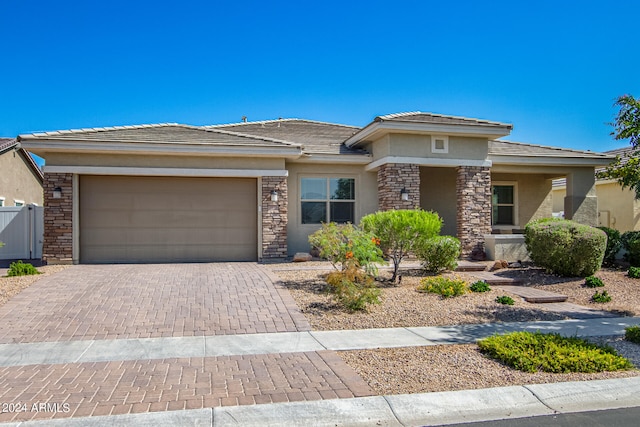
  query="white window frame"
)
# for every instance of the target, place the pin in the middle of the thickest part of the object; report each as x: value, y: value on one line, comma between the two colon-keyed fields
x: 328, y: 200
x: 18, y: 203
x: 513, y: 184
x: 435, y: 149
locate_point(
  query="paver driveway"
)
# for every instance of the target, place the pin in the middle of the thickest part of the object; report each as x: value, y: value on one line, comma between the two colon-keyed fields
x: 150, y: 300
x: 107, y: 302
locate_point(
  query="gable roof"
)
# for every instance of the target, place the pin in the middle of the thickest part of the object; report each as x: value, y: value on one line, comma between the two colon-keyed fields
x: 11, y: 143
x: 511, y: 148
x: 623, y: 152
x: 428, y: 123
x: 316, y: 137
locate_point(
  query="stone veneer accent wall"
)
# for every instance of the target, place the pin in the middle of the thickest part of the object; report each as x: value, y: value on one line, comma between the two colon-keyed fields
x: 274, y: 218
x: 58, y: 219
x: 392, y: 178
x: 473, y: 188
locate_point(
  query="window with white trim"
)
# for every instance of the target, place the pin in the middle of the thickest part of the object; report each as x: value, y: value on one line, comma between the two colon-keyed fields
x: 327, y: 200
x: 439, y: 144
x: 18, y: 203
x: 503, y: 204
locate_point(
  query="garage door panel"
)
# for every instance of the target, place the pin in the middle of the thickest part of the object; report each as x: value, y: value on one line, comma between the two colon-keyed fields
x: 162, y: 219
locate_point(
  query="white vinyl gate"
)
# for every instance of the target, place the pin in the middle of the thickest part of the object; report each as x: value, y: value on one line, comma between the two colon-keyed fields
x: 22, y: 232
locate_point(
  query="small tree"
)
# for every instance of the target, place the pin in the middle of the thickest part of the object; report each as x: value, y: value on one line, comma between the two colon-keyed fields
x: 401, y: 231
x: 626, y: 126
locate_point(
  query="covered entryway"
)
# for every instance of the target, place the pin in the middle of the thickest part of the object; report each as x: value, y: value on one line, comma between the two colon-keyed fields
x: 167, y: 219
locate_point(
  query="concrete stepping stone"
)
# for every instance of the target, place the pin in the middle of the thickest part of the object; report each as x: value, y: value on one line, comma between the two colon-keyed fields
x: 493, y: 279
x: 470, y: 266
x: 535, y: 296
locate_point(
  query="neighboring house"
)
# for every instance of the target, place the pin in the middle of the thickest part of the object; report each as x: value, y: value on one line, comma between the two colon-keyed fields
x: 20, y: 178
x: 256, y: 190
x: 617, y: 207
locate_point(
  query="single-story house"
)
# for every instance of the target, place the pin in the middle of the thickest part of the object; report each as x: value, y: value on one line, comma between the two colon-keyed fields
x: 617, y: 207
x: 256, y: 190
x: 20, y: 177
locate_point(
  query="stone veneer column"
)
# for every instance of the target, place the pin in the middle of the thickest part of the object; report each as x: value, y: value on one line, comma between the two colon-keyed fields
x: 58, y: 219
x: 473, y: 189
x: 392, y: 178
x: 274, y: 218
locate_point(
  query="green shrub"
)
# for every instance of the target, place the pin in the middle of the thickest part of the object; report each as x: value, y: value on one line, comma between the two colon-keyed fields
x: 631, y: 243
x: 532, y: 352
x: 601, y: 297
x: 593, y: 282
x: 438, y: 253
x: 400, y: 231
x: 480, y: 286
x: 614, y: 244
x: 634, y: 272
x: 345, y: 244
x: 504, y: 299
x: 565, y: 247
x: 353, y: 288
x: 632, y: 333
x: 20, y: 268
x: 443, y: 286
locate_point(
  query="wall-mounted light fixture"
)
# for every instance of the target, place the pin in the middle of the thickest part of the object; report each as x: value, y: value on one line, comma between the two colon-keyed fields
x: 404, y: 195
x: 274, y: 196
x: 57, y: 193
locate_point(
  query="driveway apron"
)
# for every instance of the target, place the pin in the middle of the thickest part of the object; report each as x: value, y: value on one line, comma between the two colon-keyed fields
x: 119, y: 302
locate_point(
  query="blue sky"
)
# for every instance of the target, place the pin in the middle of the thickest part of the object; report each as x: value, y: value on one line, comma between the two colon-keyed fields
x: 552, y: 68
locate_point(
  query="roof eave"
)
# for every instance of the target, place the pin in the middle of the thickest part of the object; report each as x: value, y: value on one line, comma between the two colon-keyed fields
x: 376, y: 129
x: 541, y: 160
x: 352, y: 159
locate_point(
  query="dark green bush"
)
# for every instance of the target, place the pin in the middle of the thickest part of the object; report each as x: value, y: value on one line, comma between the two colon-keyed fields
x: 480, y: 286
x: 565, y: 247
x: 438, y: 253
x: 631, y: 243
x: 632, y: 334
x: 20, y: 268
x: 601, y: 297
x: 593, y: 282
x: 634, y: 272
x: 614, y: 244
x: 505, y: 300
x: 534, y: 351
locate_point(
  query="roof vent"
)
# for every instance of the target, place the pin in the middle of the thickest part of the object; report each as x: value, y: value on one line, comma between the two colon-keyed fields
x: 244, y: 119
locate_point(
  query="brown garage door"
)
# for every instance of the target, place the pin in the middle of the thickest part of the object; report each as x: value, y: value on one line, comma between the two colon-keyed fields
x: 167, y: 219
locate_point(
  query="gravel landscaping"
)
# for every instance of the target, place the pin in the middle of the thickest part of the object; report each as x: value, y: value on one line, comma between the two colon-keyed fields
x: 10, y: 286
x: 452, y: 367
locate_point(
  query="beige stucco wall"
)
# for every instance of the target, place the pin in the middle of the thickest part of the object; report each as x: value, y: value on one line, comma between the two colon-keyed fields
x: 534, y: 196
x: 18, y: 181
x: 618, y: 204
x: 366, y: 197
x: 438, y: 194
x: 163, y: 161
x: 414, y: 145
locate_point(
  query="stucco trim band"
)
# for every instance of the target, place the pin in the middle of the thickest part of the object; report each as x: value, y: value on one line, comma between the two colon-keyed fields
x: 215, y: 173
x: 427, y: 162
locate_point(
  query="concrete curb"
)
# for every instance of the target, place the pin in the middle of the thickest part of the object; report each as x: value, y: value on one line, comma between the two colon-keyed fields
x: 397, y: 410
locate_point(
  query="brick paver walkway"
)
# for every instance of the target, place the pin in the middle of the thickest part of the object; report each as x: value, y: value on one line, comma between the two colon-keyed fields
x: 96, y: 302
x: 141, y: 301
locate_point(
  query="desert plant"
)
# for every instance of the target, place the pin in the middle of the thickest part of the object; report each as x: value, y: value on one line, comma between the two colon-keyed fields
x: 634, y: 272
x: 565, y: 247
x: 593, y: 282
x: 631, y: 243
x: 438, y: 253
x: 505, y: 300
x: 443, y: 286
x: 480, y: 286
x: 346, y: 244
x: 601, y: 297
x: 400, y: 231
x: 613, y: 245
x: 353, y: 288
x: 534, y: 351
x: 20, y: 268
x: 632, y: 334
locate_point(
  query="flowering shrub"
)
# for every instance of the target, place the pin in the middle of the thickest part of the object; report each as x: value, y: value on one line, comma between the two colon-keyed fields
x: 353, y: 288
x: 443, y: 286
x: 345, y: 245
x: 565, y: 247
